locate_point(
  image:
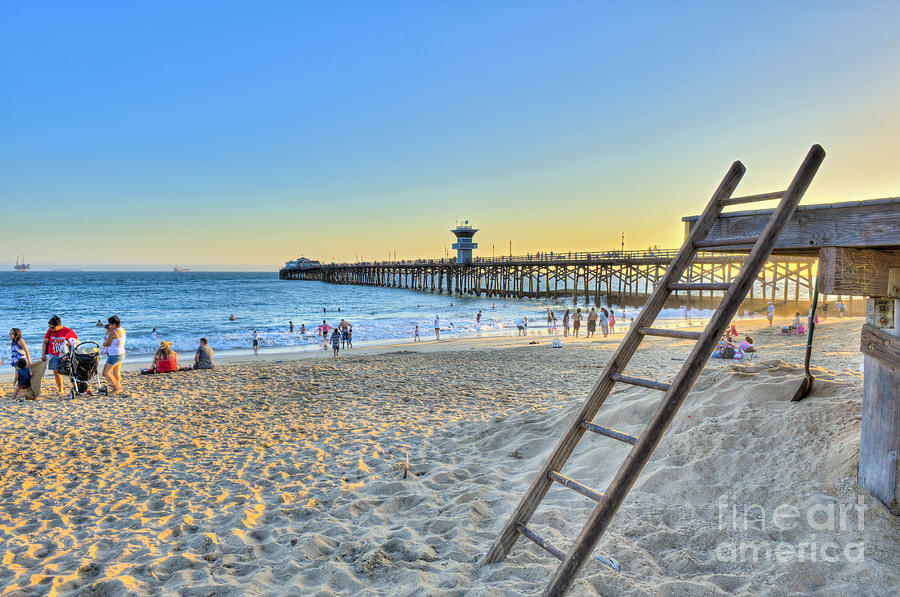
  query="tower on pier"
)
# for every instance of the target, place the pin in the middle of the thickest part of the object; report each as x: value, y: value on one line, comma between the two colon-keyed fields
x: 464, y: 244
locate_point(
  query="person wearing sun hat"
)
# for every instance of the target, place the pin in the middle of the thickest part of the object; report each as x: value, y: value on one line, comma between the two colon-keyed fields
x: 165, y: 359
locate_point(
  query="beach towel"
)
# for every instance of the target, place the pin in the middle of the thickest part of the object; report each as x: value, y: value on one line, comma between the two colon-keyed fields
x: 38, y: 368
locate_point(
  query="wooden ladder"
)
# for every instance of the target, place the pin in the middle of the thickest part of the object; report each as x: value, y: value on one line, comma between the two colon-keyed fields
x: 608, y: 503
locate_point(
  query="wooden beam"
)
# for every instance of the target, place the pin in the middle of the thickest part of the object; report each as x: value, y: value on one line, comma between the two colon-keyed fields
x: 880, y: 345
x: 872, y: 223
x: 860, y: 272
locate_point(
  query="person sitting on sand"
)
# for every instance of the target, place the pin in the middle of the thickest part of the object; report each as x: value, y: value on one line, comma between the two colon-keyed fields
x: 745, y: 348
x: 336, y: 341
x: 22, y: 379
x: 203, y: 358
x: 165, y: 360
x: 724, y: 349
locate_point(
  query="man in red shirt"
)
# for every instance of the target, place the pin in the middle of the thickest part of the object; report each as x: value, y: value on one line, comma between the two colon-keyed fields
x: 55, y: 345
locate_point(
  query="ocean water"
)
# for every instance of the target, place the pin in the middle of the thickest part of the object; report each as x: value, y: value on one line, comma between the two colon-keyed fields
x: 184, y: 306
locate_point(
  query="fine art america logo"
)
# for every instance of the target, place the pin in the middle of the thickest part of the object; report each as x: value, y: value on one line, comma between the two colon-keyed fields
x: 786, y: 519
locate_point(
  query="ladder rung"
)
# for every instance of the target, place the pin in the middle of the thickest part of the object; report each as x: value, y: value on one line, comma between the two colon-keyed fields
x: 727, y: 242
x: 683, y: 334
x: 751, y: 198
x: 637, y: 381
x: 556, y: 553
x: 573, y: 484
x: 622, y: 437
x: 701, y: 286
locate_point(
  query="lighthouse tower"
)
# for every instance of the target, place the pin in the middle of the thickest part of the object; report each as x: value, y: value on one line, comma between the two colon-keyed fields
x: 464, y: 244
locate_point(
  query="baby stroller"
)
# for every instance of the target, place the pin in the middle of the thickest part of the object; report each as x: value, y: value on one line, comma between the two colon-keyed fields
x: 83, y: 368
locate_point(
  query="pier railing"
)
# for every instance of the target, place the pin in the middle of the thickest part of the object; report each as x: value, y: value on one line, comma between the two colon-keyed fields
x: 551, y: 256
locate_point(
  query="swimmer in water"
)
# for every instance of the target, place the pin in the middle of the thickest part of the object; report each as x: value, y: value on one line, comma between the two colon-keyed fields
x: 232, y: 318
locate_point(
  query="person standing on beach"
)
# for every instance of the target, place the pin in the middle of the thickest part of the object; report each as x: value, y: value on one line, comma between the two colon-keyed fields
x: 576, y: 321
x: 770, y: 313
x: 17, y: 348
x: 592, y: 323
x: 566, y: 324
x: 323, y: 329
x: 345, y: 334
x: 255, y: 342
x: 437, y: 327
x: 604, y: 322
x: 478, y: 317
x: 114, y: 343
x: 416, y: 337
x: 336, y: 341
x: 612, y: 321
x: 824, y: 310
x: 349, y: 336
x: 57, y: 342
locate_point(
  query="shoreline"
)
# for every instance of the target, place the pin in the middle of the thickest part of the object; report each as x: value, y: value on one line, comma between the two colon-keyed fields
x: 493, y: 339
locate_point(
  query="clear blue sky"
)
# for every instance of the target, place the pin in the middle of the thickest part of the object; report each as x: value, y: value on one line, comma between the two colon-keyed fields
x: 225, y: 133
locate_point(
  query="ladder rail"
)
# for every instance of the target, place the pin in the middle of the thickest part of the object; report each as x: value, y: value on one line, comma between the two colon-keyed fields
x: 628, y: 473
x: 604, y: 384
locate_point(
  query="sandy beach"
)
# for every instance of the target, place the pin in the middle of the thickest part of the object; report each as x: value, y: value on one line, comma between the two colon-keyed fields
x: 285, y: 476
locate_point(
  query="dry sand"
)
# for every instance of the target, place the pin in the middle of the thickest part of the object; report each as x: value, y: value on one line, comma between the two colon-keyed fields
x: 286, y: 477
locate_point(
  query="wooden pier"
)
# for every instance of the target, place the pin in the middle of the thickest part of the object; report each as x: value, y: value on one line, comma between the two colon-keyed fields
x: 622, y: 277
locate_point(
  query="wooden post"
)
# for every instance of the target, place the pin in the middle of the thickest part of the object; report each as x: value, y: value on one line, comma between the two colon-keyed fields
x: 879, y: 439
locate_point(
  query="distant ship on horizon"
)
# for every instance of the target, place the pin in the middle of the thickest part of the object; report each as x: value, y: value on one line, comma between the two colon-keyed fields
x: 178, y: 268
x: 21, y: 267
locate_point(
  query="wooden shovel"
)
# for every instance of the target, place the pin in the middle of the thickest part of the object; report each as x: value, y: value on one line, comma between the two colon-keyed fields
x: 807, y: 383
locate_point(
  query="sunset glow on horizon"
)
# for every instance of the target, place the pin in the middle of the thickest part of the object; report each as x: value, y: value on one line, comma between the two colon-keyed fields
x: 238, y: 135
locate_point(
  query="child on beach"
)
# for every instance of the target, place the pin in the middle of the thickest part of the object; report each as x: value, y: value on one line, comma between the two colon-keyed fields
x: 566, y: 323
x: 416, y: 337
x: 612, y: 321
x: 22, y: 379
x: 745, y: 348
x: 554, y: 325
x: 336, y: 341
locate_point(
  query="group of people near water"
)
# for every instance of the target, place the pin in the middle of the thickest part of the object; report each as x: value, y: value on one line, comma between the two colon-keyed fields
x: 606, y: 319
x: 60, y: 341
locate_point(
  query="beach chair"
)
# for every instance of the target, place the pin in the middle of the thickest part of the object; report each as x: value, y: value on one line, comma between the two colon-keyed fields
x: 674, y: 392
